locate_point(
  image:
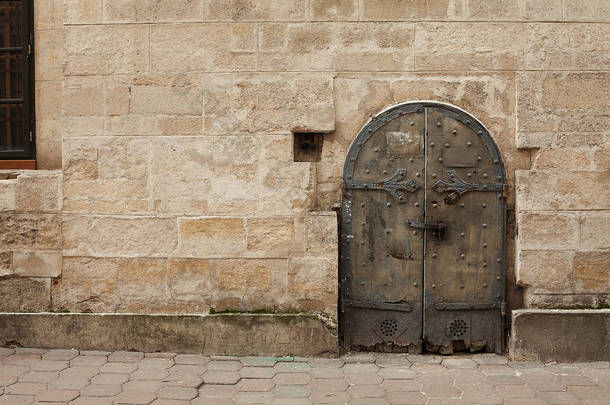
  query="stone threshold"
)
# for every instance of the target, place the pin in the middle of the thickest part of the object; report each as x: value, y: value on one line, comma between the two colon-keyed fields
x: 239, y: 334
x: 560, y: 335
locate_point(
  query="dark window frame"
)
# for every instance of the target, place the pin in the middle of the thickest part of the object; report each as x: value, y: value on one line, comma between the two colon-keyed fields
x: 26, y: 49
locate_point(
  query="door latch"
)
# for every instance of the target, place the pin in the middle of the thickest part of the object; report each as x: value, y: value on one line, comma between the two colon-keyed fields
x: 436, y: 226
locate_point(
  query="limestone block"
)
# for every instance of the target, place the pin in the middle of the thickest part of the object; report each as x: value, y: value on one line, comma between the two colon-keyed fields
x: 152, y: 99
x: 321, y: 234
x: 268, y: 103
x: 8, y: 195
x: 48, y: 154
x: 181, y: 125
x: 83, y: 96
x: 562, y: 190
x: 594, y: 226
x: 250, y: 284
x: 591, y: 272
x: 202, y: 48
x: 82, y: 11
x: 534, y: 140
x: 562, y: 101
x: 48, y: 99
x: 106, y: 236
x: 541, y: 10
x: 37, y: 263
x: 6, y: 261
x: 511, y: 10
x: 334, y: 10
x: 142, y: 283
x: 255, y: 10
x: 87, y: 51
x: 545, y: 271
x: 468, y: 46
x: 212, y: 237
x: 49, y: 14
x: 567, y: 46
x: 30, y: 231
x: 548, y: 231
x: 39, y: 192
x: 191, y: 280
x: 274, y: 237
x: 393, y: 10
x: 575, y: 10
x: 116, y: 11
x: 566, y: 159
x: 272, y: 36
x: 48, y: 54
x: 77, y: 126
x: 24, y: 294
x: 312, y: 284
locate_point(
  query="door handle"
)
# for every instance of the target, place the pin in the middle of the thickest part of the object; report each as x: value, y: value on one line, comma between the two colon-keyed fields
x: 437, y: 226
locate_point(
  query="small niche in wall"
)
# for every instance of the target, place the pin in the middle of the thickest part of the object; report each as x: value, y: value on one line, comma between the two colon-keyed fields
x: 307, y: 146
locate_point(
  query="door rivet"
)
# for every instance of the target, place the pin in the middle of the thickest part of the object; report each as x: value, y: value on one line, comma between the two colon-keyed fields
x: 367, y: 171
x: 484, y: 264
x: 484, y: 245
x: 363, y: 223
x: 388, y: 204
x: 352, y: 159
x: 462, y: 287
x: 411, y: 123
x: 434, y: 255
x: 362, y: 243
x: 480, y: 132
x: 498, y: 260
x: 496, y: 161
x: 438, y: 124
x: 434, y: 205
x: 484, y: 225
x: 468, y: 175
x: 433, y: 285
x: 433, y: 175
x: 416, y: 204
x: 447, y: 144
x: 410, y: 141
x: 440, y: 159
x: 462, y: 234
x: 484, y: 205
x: 484, y: 175
x: 411, y: 160
x: 415, y: 284
x: 468, y: 143
x: 388, y: 231
x: 432, y: 144
x: 461, y: 205
x: 385, y: 283
x: 454, y: 131
x: 484, y: 285
x: 498, y: 278
x: 376, y: 150
x: 362, y: 283
x: 363, y: 264
x: 414, y: 232
x: 479, y: 158
x: 417, y: 174
x: 462, y: 255
x: 362, y: 205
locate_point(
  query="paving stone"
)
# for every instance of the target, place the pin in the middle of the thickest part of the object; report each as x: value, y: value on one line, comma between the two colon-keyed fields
x: 92, y: 401
x: 577, y: 380
x: 125, y: 357
x: 497, y: 369
x: 182, y: 380
x: 329, y: 384
x: 424, y: 359
x: 13, y: 370
x: 227, y: 365
x: 221, y: 377
x: 489, y: 358
x: 88, y: 361
x: 170, y: 402
x: 60, y: 354
x: 120, y: 368
x: 291, y: 401
x: 182, y: 393
x: 155, y: 363
x: 69, y: 383
x: 459, y: 363
x: 192, y: 359
x: 95, y: 390
x: 514, y: 391
x: 505, y: 380
x: 5, y: 381
x: 441, y: 391
x: 217, y: 391
x: 5, y: 352
x: 353, y: 369
x: 557, y: 398
x: 321, y: 362
x: 542, y: 384
x: 217, y: 401
x: 294, y: 367
x: 94, y: 353
x: 292, y: 391
x: 146, y: 386
x: 252, y: 361
x: 482, y: 398
x: 16, y: 399
x: 362, y: 357
x: 149, y: 374
x: 39, y: 376
x: 326, y: 373
x: 583, y: 392
x: 394, y: 373
x: 525, y: 401
x: 253, y: 398
x: 30, y: 350
x: 364, y: 379
x: 57, y: 395
x: 428, y: 368
x: 329, y: 397
x: 160, y: 355
x: 134, y: 398
x: 24, y: 388
x: 404, y: 397
x: 225, y: 358
x: 257, y: 372
x: 21, y: 359
x: 49, y: 365
x: 366, y: 391
x: 369, y: 401
x: 187, y: 369
x: 255, y: 385
x: 401, y: 385
x: 594, y: 365
x: 520, y: 365
x: 292, y: 379
x: 393, y: 360
x: 79, y: 372
x: 112, y: 379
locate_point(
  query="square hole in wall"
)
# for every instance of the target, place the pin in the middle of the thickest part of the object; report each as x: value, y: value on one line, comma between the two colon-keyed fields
x: 307, y: 146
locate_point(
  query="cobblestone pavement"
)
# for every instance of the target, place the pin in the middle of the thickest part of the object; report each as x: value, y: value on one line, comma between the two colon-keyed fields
x: 71, y: 377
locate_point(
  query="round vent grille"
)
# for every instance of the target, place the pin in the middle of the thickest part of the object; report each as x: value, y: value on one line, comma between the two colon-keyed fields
x: 389, y: 327
x: 458, y: 328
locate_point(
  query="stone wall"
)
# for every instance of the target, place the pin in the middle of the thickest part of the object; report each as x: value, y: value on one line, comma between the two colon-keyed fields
x: 180, y: 193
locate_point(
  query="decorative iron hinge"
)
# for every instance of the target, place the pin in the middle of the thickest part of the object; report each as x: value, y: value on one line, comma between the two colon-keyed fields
x: 396, y: 188
x: 458, y: 187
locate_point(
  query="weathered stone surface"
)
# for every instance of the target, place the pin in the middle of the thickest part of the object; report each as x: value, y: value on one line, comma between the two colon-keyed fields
x: 255, y: 10
x: 564, y: 101
x: 82, y: 11
x: 312, y: 284
x: 594, y: 233
x: 30, y: 231
x: 6, y: 263
x: 39, y: 192
x: 185, y: 100
x: 511, y: 10
x: 268, y: 103
x: 321, y: 234
x: 532, y: 330
x: 575, y: 10
x: 392, y: 10
x: 37, y: 263
x: 334, y: 10
x: 591, y: 271
x: 26, y: 294
x: 545, y: 271
x: 152, y: 11
x: 468, y: 46
x: 566, y: 159
x: 220, y: 334
x: 567, y: 46
x: 8, y: 195
x: 212, y: 237
x: 547, y: 231
x: 274, y: 237
x: 119, y: 236
x: 547, y: 190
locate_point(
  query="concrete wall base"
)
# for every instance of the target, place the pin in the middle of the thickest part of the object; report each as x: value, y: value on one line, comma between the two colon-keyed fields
x: 232, y: 334
x: 549, y: 335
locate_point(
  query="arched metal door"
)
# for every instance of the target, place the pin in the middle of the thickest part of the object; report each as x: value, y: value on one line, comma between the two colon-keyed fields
x: 422, y: 238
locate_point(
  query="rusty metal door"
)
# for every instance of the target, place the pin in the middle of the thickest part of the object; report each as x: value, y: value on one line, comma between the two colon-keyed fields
x: 422, y: 238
